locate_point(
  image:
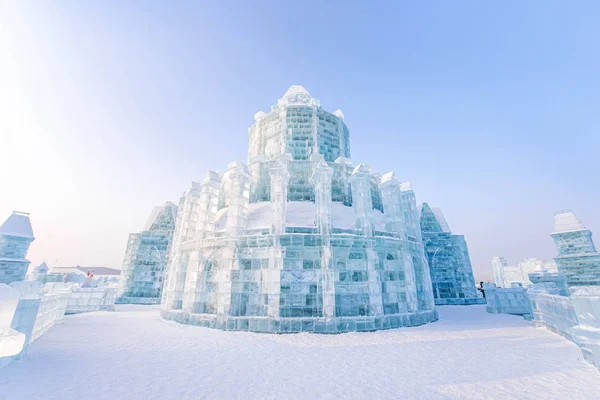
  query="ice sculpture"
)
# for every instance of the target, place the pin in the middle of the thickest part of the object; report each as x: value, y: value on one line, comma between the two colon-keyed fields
x: 449, y: 261
x: 505, y: 275
x: 298, y: 240
x: 577, y: 257
x: 146, y: 257
x: 15, y: 237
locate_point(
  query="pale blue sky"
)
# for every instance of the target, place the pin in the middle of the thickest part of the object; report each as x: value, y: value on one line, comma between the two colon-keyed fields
x: 490, y: 109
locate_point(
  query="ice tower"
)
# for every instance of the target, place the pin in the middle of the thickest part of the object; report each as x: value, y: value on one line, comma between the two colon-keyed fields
x: 298, y: 240
x: 146, y: 258
x: 449, y: 261
x: 577, y: 257
x: 15, y: 237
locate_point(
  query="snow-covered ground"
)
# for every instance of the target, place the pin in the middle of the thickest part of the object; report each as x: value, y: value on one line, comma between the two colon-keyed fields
x: 133, y: 354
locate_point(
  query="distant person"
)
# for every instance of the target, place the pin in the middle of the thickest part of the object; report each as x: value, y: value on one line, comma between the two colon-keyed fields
x: 481, y: 288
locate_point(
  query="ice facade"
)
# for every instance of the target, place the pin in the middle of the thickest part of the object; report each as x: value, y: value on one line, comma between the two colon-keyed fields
x: 505, y: 275
x: 15, y: 237
x: 449, y: 261
x: 298, y: 240
x: 577, y: 257
x: 146, y: 258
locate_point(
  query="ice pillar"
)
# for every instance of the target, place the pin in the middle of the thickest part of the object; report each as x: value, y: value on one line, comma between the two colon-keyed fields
x: 413, y: 231
x: 345, y: 170
x: 238, y: 194
x: 185, y: 231
x: 194, y: 293
x: 321, y: 178
x: 279, y: 190
x: 360, y: 182
x: 391, y: 198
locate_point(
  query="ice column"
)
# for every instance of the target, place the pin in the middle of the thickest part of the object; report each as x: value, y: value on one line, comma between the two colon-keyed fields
x: 238, y: 194
x: 360, y: 182
x: 207, y: 212
x: 343, y: 143
x: 255, y: 167
x: 279, y: 189
x: 185, y: 230
x: 321, y: 178
x: 413, y: 231
x: 345, y: 169
x: 391, y: 198
x: 315, y: 129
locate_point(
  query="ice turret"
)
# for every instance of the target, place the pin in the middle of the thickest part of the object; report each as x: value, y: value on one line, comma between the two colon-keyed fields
x: 577, y: 257
x: 16, y: 235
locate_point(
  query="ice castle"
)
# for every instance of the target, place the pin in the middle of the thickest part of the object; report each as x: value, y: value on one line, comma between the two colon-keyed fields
x: 146, y: 258
x: 449, y: 261
x: 299, y: 240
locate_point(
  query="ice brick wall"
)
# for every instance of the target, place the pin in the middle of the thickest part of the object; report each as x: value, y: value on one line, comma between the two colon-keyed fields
x: 91, y: 299
x: 507, y: 301
x: 553, y: 312
x: 449, y: 261
x: 586, y: 304
x: 146, y: 257
x: 53, y: 304
x: 27, y: 310
x: 11, y: 341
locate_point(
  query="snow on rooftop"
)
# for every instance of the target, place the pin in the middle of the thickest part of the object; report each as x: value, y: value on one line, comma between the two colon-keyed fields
x: 18, y: 224
x: 566, y: 221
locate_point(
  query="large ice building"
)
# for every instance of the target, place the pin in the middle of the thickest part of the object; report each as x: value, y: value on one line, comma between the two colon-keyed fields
x: 146, y: 258
x: 505, y: 275
x: 449, y: 261
x: 577, y: 257
x: 15, y: 237
x: 298, y: 240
